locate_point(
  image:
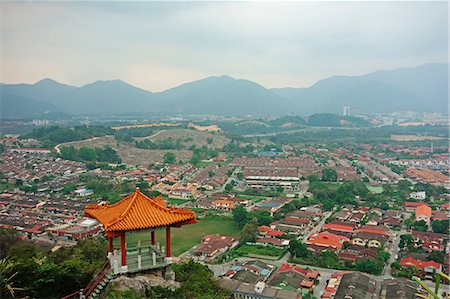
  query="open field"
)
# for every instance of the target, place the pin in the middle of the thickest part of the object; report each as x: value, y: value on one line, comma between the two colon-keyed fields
x: 186, y: 237
x: 375, y: 190
x: 128, y: 153
x: 252, y: 250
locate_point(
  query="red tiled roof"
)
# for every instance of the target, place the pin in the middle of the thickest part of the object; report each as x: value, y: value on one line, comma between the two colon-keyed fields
x: 338, y: 227
x: 409, y: 261
x: 327, y: 240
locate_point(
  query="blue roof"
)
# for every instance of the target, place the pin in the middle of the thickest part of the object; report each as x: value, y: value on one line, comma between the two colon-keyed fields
x: 265, y: 272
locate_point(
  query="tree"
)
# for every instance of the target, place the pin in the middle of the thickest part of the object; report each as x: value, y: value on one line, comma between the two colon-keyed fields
x: 263, y: 217
x: 240, y: 216
x: 370, y: 266
x: 329, y: 175
x: 87, y: 154
x: 441, y: 226
x: 229, y: 186
x: 437, y: 256
x: 195, y: 159
x: 7, y: 280
x: 169, y: 158
x: 420, y: 226
x: 406, y: 240
x: 69, y: 153
x: 249, y: 232
x: 383, y: 256
x: 298, y: 249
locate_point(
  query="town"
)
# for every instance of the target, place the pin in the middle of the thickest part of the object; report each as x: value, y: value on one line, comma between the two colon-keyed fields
x: 276, y: 219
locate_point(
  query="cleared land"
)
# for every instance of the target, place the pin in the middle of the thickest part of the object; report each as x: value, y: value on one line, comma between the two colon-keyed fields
x: 191, y: 137
x: 414, y: 138
x: 128, y: 153
x: 188, y: 236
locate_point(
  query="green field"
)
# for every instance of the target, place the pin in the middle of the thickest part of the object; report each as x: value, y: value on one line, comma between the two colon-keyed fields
x: 186, y: 237
x: 260, y: 250
x: 177, y: 201
x: 375, y: 190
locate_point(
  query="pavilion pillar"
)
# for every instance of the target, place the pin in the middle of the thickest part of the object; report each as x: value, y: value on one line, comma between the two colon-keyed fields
x: 167, y: 241
x: 110, y: 244
x: 123, y: 249
x: 153, y: 237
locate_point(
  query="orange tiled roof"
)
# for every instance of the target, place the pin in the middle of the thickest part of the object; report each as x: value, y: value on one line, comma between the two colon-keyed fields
x: 424, y: 210
x: 137, y: 211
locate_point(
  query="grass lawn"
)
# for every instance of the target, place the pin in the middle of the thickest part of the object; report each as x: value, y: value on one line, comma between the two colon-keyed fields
x: 375, y: 190
x: 186, y: 237
x: 251, y: 198
x: 260, y: 250
x: 177, y: 201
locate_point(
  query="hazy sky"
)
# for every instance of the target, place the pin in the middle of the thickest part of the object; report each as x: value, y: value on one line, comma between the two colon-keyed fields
x: 158, y: 45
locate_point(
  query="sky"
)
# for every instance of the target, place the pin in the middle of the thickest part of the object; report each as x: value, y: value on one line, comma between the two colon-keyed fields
x: 159, y: 45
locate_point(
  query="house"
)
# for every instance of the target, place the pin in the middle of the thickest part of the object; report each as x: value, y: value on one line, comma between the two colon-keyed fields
x: 354, y: 253
x: 294, y: 277
x: 338, y: 227
x: 429, y: 241
x: 400, y: 288
x: 260, y: 290
x: 250, y: 271
x: 423, y: 212
x: 376, y: 229
x: 420, y: 195
x: 213, y: 245
x: 411, y: 206
x: 327, y: 240
x: 429, y: 267
x: 223, y: 205
x: 269, y: 232
x: 272, y: 241
x: 354, y: 285
x: 371, y: 240
x: 445, y: 206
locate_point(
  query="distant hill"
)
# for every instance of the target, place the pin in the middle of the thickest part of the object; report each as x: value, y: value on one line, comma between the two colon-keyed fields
x: 421, y: 89
x: 223, y: 96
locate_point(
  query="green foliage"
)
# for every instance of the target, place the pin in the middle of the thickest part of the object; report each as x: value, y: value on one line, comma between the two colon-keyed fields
x: 248, y: 250
x: 89, y: 154
x: 299, y: 249
x: 334, y: 120
x: 441, y: 226
x: 169, y: 158
x: 249, y: 232
x: 406, y: 242
x: 420, y: 226
x: 197, y: 281
x: 124, y: 294
x: 383, y: 256
x: 369, y: 266
x: 329, y: 175
x: 240, y: 216
x: 54, y: 274
x: 50, y: 136
x: 163, y: 144
x: 437, y: 256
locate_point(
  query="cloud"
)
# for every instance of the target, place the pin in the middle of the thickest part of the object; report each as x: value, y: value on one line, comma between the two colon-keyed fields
x: 156, y: 45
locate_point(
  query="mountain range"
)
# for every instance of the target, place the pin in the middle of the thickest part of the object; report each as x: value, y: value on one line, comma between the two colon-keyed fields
x: 422, y: 89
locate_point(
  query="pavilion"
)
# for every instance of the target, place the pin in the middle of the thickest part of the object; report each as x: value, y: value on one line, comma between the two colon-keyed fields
x: 138, y: 213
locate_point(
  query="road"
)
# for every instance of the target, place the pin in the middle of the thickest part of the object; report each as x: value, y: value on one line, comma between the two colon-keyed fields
x: 316, y: 228
x: 393, y: 251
